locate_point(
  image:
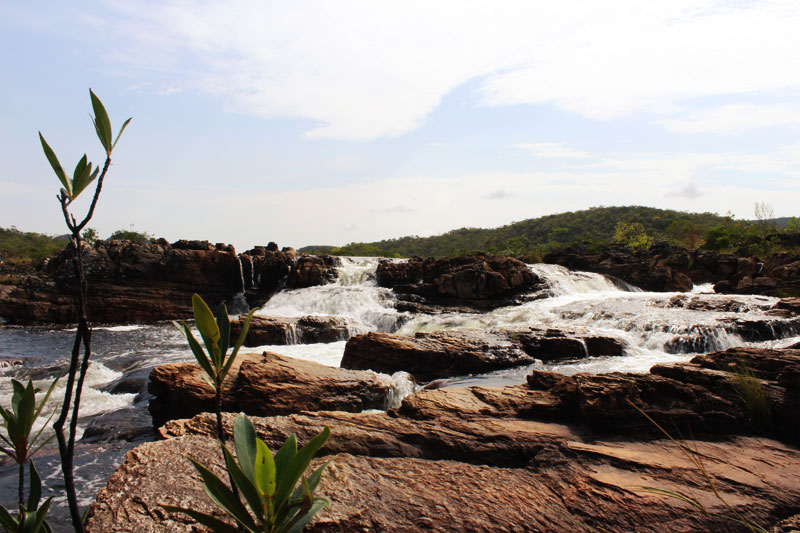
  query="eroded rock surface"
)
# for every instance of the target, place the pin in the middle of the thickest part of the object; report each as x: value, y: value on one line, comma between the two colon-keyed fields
x: 265, y: 384
x: 291, y: 330
x: 475, y: 281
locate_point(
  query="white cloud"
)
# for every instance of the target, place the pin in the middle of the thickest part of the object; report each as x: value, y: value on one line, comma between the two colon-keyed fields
x: 735, y: 118
x: 362, y: 70
x: 552, y: 150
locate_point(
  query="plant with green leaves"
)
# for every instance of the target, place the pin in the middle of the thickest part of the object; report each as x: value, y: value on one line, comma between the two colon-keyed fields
x: 31, y: 518
x: 85, y: 173
x: 268, y: 483
x: 215, y: 330
x: 20, y: 446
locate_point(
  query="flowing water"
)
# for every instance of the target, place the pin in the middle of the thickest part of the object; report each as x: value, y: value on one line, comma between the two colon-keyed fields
x: 652, y: 327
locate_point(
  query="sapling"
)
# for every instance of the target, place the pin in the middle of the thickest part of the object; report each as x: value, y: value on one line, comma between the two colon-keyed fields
x: 85, y: 173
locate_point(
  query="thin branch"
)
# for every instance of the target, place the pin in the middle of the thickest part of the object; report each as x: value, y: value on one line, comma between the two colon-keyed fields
x: 96, y: 194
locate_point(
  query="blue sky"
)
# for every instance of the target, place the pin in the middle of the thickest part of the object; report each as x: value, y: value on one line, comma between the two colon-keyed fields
x: 333, y: 122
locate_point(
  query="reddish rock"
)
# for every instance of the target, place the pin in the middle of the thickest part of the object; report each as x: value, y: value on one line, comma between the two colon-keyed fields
x: 292, y: 330
x: 265, y: 384
x: 429, y: 356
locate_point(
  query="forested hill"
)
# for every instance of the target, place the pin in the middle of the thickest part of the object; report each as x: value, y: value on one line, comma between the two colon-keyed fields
x: 534, y: 237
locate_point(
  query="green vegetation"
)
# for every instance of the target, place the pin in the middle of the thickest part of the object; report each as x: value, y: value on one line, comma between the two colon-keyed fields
x: 633, y: 235
x: 593, y: 228
x: 20, y: 446
x: 140, y: 237
x: 750, y: 389
x: 27, y: 250
x: 215, y: 330
x: 268, y: 483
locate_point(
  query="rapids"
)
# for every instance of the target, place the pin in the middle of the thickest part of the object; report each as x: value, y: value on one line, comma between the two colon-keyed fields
x: 652, y: 328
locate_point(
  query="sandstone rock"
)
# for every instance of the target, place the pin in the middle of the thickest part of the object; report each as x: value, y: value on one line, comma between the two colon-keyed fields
x: 293, y: 330
x: 428, y: 356
x: 478, y: 281
x: 265, y: 384
x: 552, y: 345
x: 452, y: 461
x: 131, y: 282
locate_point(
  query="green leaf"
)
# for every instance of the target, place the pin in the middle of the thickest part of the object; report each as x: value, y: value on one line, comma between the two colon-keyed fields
x: 8, y: 522
x: 35, y: 490
x: 27, y: 407
x: 239, y: 342
x: 34, y: 519
x: 298, y: 464
x: 244, y: 439
x: 124, y: 125
x: 51, y: 156
x: 300, y: 521
x: 19, y: 392
x: 209, y: 330
x: 83, y: 176
x: 216, y: 525
x: 246, y: 487
x: 46, y: 397
x: 198, y: 352
x: 101, y: 122
x: 224, y: 325
x: 224, y: 497
x: 265, y: 469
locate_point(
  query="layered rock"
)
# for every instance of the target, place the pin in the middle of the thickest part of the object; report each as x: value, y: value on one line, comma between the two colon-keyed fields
x: 265, y: 384
x: 433, y: 355
x: 671, y: 268
x: 558, y: 454
x: 443, y: 354
x: 131, y: 282
x: 476, y: 281
x: 291, y: 330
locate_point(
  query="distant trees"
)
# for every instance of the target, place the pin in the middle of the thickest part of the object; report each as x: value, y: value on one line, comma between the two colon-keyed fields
x: 633, y: 235
x: 130, y: 235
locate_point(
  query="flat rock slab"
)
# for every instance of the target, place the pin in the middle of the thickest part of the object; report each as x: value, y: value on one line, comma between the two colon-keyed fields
x: 265, y: 384
x: 574, y: 486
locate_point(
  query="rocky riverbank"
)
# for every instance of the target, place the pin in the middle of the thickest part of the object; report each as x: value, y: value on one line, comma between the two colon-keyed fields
x: 556, y: 454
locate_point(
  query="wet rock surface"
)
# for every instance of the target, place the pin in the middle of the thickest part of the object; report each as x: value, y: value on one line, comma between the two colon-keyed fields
x: 132, y: 282
x: 474, y: 282
x: 429, y: 356
x: 265, y: 384
x: 557, y: 454
x: 292, y: 330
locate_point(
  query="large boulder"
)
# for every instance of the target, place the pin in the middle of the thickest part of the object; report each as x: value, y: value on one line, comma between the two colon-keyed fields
x: 429, y: 356
x: 265, y: 384
x: 291, y: 330
x: 478, y: 281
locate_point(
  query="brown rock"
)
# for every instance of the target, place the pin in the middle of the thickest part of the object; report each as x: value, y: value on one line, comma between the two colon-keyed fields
x: 293, y: 330
x: 430, y: 356
x: 265, y: 384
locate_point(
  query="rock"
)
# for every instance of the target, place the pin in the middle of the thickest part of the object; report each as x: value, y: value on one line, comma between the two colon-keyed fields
x: 265, y: 384
x: 8, y: 361
x: 469, y: 459
x: 442, y: 354
x: 310, y: 271
x: 293, y: 330
x: 429, y: 356
x: 553, y: 345
x: 478, y: 281
x: 131, y: 282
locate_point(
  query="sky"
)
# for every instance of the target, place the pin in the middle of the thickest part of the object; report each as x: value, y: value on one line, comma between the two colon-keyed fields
x: 333, y: 122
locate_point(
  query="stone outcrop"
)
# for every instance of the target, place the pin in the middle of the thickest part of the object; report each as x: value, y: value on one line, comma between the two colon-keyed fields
x: 556, y: 454
x: 665, y: 267
x: 476, y: 281
x: 443, y: 354
x: 132, y: 282
x: 433, y: 355
x: 292, y: 330
x: 265, y: 384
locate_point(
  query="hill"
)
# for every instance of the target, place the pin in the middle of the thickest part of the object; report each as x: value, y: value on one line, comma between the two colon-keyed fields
x: 532, y: 238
